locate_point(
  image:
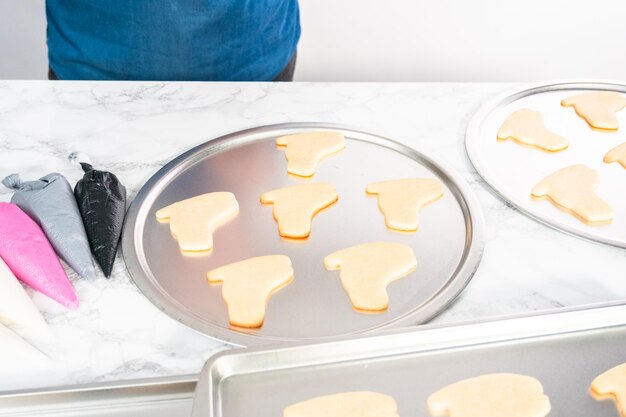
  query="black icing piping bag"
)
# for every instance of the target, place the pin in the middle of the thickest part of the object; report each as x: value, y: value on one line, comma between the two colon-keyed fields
x: 50, y: 202
x: 101, y: 200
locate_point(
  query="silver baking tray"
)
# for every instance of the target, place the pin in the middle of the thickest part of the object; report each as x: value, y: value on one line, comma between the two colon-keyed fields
x: 154, y: 397
x: 512, y: 170
x: 564, y: 350
x: 448, y: 245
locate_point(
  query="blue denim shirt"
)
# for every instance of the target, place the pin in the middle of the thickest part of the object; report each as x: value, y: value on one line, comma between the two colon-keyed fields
x: 241, y: 40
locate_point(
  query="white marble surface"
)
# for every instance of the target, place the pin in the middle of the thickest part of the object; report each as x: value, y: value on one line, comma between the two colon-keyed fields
x: 134, y: 128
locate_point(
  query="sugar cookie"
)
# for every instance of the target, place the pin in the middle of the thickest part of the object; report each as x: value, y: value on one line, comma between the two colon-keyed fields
x: 526, y: 127
x: 194, y: 220
x: 249, y: 284
x: 572, y: 189
x: 617, y: 154
x: 401, y: 200
x: 295, y: 206
x: 598, y: 108
x: 492, y: 395
x: 304, y: 151
x: 611, y: 385
x: 345, y: 404
x: 367, y: 269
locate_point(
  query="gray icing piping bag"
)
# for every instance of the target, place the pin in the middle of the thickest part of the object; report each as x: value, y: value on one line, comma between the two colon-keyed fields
x: 50, y: 202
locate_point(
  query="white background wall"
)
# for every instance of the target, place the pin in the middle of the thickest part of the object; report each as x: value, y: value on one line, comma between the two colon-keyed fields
x: 23, y: 53
x: 409, y: 40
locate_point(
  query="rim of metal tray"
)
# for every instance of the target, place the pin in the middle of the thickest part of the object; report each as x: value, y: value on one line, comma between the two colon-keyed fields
x: 145, y: 197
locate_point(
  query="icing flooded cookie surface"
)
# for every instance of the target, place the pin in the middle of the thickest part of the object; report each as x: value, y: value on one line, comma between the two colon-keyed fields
x: 611, y: 385
x: 305, y: 151
x: 247, y: 286
x: 526, y: 127
x: 598, y: 108
x: 367, y: 269
x: 492, y: 395
x: 572, y: 189
x: 617, y: 154
x: 294, y: 207
x: 194, y: 220
x: 345, y: 404
x: 401, y: 200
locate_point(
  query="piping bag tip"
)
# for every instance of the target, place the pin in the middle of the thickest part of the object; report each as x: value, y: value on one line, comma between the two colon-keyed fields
x: 86, y: 167
x: 106, y: 265
x: 79, y: 158
x: 71, y: 304
x: 12, y: 181
x: 89, y: 276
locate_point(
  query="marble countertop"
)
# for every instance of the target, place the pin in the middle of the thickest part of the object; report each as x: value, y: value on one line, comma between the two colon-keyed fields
x: 132, y: 129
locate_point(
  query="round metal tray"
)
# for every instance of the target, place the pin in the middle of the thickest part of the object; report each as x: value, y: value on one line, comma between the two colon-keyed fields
x: 314, y: 306
x: 512, y: 170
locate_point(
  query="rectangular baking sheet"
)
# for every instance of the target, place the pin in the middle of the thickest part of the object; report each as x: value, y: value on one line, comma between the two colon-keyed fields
x: 565, y: 351
x: 157, y: 397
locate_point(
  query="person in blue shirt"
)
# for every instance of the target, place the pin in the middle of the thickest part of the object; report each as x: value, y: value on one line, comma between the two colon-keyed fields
x: 176, y: 40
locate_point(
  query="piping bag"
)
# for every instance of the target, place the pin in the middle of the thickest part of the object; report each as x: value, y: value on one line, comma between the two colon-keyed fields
x: 27, y: 252
x: 101, y: 200
x: 15, y: 351
x: 50, y: 202
x: 17, y: 311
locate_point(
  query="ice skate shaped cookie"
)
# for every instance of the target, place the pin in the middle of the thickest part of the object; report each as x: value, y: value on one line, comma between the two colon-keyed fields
x: 572, y: 189
x: 526, y: 127
x: 366, y: 270
x: 617, y: 154
x: 598, y: 108
x: 345, y: 404
x: 304, y: 151
x: 493, y: 395
x: 247, y: 286
x: 611, y: 385
x: 295, y: 206
x: 194, y: 220
x: 401, y: 200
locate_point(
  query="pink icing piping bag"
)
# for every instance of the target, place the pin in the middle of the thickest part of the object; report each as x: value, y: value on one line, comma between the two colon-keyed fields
x: 27, y: 252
